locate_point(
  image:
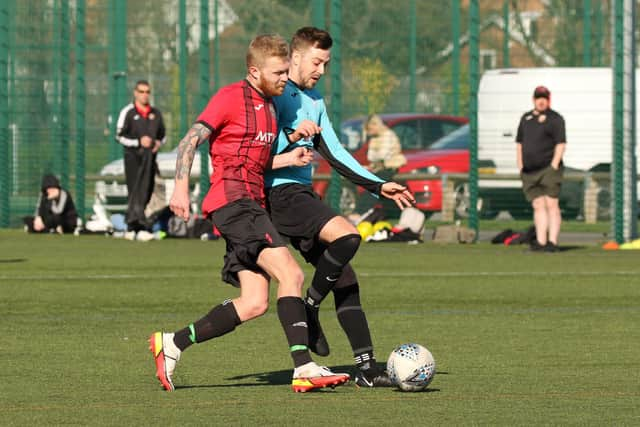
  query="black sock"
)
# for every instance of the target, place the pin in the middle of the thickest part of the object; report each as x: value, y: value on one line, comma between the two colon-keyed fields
x: 330, y: 265
x: 365, y: 361
x: 221, y: 320
x: 293, y: 318
x: 354, y: 323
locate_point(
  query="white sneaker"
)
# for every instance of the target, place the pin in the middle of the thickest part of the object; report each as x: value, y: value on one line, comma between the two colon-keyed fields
x: 312, y: 376
x: 144, y: 236
x: 166, y: 356
x: 130, y: 235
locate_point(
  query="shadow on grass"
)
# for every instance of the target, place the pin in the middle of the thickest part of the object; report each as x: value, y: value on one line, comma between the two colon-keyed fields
x: 282, y: 377
x: 566, y: 248
x: 12, y: 260
x: 559, y: 248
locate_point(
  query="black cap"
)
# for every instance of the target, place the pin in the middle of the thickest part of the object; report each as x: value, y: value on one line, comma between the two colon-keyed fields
x: 541, y: 92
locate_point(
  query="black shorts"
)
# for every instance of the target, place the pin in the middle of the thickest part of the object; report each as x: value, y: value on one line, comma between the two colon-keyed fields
x: 299, y: 214
x: 543, y: 182
x: 247, y: 230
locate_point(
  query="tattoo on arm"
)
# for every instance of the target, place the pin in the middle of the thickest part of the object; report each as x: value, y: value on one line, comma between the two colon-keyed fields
x: 187, y: 148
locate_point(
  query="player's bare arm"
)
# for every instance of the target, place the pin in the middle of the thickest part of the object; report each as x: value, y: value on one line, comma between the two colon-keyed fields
x: 186, y: 153
x: 557, y: 155
x: 519, y: 156
x: 299, y: 156
x: 198, y: 134
x: 398, y: 193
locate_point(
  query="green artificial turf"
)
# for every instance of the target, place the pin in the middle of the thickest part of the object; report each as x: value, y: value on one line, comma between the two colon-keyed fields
x: 519, y: 338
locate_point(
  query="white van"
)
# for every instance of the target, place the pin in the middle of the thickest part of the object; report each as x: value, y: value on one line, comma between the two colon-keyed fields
x: 583, y: 96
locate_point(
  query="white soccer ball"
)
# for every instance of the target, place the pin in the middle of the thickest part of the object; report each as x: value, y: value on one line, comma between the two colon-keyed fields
x: 411, y: 367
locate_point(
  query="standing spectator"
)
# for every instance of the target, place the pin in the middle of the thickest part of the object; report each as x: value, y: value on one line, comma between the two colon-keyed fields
x: 141, y: 131
x: 385, y: 152
x: 239, y: 123
x: 55, y: 211
x: 540, y: 145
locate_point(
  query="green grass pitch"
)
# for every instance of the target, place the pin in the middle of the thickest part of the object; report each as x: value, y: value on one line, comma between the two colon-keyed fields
x: 519, y: 338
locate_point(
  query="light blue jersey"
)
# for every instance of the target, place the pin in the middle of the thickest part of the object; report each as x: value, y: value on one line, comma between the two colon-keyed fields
x: 294, y: 106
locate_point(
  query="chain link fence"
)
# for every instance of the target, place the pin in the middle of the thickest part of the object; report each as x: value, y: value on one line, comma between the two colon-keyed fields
x: 68, y: 67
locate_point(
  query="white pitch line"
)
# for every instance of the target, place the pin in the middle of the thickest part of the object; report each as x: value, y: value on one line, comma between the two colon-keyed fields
x: 98, y: 277
x: 497, y: 273
x: 361, y: 273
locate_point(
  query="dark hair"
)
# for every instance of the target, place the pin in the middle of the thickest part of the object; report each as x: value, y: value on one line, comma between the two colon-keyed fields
x: 307, y: 37
x: 141, y: 82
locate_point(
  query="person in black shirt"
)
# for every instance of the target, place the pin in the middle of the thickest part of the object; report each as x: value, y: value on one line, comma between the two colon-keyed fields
x: 55, y: 211
x: 540, y: 143
x: 140, y: 129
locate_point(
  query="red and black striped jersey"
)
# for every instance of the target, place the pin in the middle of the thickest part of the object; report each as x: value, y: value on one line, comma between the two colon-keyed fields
x: 243, y: 127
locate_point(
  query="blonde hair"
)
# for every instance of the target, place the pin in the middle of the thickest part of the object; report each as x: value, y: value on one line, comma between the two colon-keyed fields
x: 266, y: 46
x: 375, y: 119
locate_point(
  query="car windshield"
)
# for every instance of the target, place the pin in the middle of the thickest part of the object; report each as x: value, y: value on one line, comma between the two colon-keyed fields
x: 456, y: 140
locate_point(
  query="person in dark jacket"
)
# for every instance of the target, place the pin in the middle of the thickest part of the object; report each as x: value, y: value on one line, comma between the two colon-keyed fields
x: 55, y: 211
x: 140, y: 129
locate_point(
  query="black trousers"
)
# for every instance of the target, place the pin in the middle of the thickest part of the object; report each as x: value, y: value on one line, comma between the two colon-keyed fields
x: 140, y: 169
x: 52, y: 221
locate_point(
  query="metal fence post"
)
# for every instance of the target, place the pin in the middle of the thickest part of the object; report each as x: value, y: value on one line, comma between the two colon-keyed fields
x: 335, y: 188
x: 80, y: 107
x: 204, y: 91
x: 618, y: 114
x: 182, y: 66
x: 455, y: 55
x: 474, y: 62
x: 122, y: 92
x: 412, y: 55
x: 216, y: 47
x: 55, y: 165
x: 4, y: 115
x: 117, y: 68
x: 318, y: 18
x: 586, y: 33
x: 506, y: 36
x: 624, y: 108
x: 64, y: 95
x: 113, y: 107
x: 599, y: 35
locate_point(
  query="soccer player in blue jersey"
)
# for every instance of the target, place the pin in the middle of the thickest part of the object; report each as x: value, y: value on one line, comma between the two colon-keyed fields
x: 325, y: 239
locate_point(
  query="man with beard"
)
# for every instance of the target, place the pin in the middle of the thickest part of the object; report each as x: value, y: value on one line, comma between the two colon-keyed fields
x: 240, y: 125
x: 326, y: 240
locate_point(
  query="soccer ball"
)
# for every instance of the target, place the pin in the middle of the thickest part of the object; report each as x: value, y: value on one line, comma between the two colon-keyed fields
x: 411, y: 367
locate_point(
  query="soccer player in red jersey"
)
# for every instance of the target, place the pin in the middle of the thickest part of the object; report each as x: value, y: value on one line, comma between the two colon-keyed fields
x: 240, y: 125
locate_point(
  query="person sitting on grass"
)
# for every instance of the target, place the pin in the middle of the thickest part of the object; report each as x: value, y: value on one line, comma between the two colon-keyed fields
x: 55, y: 210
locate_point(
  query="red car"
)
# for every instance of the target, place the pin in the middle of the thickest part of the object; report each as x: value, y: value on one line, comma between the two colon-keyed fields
x: 450, y: 154
x: 417, y: 134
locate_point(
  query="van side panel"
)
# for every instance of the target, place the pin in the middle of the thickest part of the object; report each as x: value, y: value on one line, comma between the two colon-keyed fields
x: 583, y: 96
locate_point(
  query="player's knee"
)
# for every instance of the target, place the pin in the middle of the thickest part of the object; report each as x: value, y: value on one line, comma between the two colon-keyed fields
x: 344, y: 248
x: 256, y: 308
x: 538, y: 203
x: 296, y: 276
x: 292, y: 281
x: 552, y: 203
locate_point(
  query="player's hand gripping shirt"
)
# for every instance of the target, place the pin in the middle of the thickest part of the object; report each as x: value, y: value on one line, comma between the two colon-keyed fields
x: 294, y: 106
x: 243, y: 127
